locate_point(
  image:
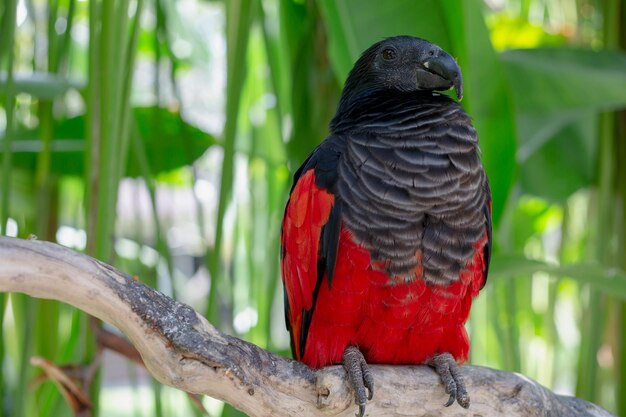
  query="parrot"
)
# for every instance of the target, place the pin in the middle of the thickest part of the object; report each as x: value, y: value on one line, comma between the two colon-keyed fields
x: 386, y: 235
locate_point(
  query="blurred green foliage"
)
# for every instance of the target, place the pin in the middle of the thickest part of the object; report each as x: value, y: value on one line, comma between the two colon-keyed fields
x: 160, y: 136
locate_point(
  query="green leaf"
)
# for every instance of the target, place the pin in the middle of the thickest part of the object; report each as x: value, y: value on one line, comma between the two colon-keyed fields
x: 609, y: 280
x: 553, y: 87
x: 547, y: 80
x: 558, y: 93
x: 176, y: 143
x: 571, y: 150
x: 169, y: 141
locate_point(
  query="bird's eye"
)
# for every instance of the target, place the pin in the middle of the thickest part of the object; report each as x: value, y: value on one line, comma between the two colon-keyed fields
x: 389, y: 54
x: 431, y: 52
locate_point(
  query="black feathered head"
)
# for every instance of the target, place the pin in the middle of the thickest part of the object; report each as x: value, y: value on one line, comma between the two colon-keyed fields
x: 404, y: 63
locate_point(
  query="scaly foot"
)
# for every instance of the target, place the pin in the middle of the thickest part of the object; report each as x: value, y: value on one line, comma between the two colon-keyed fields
x: 359, y: 376
x: 452, y: 378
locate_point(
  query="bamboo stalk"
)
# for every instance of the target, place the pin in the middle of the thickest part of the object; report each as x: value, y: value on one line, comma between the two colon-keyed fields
x: 23, y: 311
x: 9, y: 108
x: 239, y: 17
x: 9, y: 31
x: 587, y: 385
x: 615, y: 37
x: 94, y: 137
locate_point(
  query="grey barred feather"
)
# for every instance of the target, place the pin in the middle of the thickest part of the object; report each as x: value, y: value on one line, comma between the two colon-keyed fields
x: 412, y: 182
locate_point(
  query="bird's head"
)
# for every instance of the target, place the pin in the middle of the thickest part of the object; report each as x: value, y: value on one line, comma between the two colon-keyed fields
x: 405, y: 63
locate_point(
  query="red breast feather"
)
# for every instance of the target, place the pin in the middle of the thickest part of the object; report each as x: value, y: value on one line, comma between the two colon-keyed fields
x: 405, y: 323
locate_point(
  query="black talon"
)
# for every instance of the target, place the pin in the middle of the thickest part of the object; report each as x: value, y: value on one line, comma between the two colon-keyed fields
x: 452, y: 379
x: 368, y: 381
x: 463, y: 400
x: 359, y: 376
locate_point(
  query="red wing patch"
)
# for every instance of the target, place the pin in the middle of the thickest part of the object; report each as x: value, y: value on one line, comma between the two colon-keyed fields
x: 307, y: 212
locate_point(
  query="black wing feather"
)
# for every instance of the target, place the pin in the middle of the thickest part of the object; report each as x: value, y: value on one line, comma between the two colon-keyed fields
x: 324, y: 160
x: 487, y: 248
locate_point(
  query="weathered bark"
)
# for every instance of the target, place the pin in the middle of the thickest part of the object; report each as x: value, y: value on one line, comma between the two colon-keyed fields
x: 180, y: 348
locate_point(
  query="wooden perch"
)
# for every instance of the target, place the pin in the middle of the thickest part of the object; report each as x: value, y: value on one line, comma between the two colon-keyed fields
x: 182, y: 349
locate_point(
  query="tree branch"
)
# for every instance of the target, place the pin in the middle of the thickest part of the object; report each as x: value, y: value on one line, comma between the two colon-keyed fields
x: 182, y: 349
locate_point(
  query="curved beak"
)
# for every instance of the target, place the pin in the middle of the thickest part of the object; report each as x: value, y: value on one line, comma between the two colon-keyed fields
x: 447, y: 68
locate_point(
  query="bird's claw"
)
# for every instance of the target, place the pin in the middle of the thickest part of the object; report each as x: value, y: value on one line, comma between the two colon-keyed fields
x: 359, y: 376
x: 450, y: 374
